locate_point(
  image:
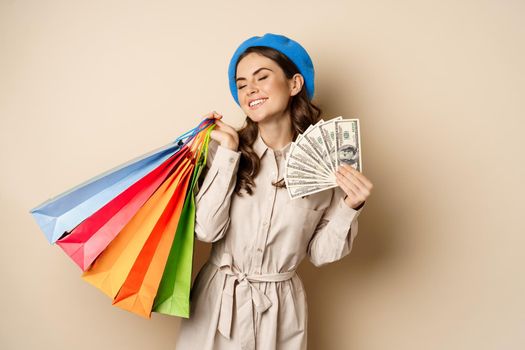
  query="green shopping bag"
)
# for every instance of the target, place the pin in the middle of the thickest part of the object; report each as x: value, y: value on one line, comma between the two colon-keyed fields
x: 173, y: 295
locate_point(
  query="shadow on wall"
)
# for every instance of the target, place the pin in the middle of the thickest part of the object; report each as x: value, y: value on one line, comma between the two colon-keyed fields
x: 330, y: 288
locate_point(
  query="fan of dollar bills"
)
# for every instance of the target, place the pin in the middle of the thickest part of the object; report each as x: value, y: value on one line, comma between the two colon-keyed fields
x: 314, y: 157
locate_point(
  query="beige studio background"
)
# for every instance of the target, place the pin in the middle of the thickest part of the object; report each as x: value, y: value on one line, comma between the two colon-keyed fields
x: 438, y: 87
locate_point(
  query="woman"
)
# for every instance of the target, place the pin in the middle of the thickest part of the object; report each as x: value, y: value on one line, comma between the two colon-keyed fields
x: 247, y: 295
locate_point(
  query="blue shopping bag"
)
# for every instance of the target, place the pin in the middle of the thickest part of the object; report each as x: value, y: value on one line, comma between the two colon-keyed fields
x: 64, y: 212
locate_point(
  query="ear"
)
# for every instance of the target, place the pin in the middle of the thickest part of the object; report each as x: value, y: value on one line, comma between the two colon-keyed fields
x: 296, y: 84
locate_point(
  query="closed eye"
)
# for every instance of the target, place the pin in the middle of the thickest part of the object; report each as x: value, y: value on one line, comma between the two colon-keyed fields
x: 240, y: 87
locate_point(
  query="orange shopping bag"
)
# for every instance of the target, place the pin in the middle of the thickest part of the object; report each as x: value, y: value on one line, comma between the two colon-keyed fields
x: 111, y: 268
x: 140, y: 287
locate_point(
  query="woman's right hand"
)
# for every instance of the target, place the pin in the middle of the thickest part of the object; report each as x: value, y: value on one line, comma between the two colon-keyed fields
x: 223, y: 133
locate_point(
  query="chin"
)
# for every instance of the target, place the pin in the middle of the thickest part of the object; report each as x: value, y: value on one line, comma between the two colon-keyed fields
x: 258, y: 117
x: 261, y: 115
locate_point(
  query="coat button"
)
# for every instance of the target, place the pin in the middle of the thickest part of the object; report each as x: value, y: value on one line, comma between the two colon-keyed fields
x: 232, y: 160
x: 259, y: 250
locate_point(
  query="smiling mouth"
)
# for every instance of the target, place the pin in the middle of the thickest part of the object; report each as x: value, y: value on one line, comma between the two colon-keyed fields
x: 257, y: 105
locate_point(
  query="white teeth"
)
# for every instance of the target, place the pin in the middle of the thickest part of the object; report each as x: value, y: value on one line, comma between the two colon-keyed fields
x: 256, y: 102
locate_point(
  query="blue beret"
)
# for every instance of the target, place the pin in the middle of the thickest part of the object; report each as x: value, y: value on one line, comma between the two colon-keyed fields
x: 290, y: 48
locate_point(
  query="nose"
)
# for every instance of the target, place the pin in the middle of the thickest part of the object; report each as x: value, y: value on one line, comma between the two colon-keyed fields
x: 252, y: 91
x: 251, y: 88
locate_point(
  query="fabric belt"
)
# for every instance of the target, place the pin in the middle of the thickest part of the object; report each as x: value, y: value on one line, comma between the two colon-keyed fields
x: 246, y: 296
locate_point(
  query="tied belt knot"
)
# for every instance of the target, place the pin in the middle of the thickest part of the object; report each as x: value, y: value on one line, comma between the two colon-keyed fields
x: 246, y: 297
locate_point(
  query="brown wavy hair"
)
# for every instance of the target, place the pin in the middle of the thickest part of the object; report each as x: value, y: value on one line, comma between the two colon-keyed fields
x: 302, y: 111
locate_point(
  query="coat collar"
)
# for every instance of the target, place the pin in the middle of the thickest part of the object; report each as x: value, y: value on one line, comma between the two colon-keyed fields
x: 260, y: 147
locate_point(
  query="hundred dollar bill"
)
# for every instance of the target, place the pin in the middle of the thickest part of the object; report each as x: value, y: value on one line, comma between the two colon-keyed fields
x: 298, y: 173
x: 315, y: 138
x: 298, y: 155
x: 303, y: 144
x: 348, y: 143
x: 329, y: 138
x: 295, y: 165
x: 307, y: 182
x: 300, y: 191
x: 295, y: 169
x: 316, y: 154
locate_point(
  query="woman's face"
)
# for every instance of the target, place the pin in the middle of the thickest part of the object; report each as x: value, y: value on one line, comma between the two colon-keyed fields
x: 259, y: 77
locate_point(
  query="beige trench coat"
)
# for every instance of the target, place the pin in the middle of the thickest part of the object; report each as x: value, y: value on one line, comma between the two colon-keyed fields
x: 248, y: 296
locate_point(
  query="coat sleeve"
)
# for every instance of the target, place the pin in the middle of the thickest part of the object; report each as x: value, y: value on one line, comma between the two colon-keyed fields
x: 213, y: 195
x: 335, y: 233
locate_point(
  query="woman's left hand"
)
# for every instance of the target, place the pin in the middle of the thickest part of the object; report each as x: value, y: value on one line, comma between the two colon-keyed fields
x: 356, y: 186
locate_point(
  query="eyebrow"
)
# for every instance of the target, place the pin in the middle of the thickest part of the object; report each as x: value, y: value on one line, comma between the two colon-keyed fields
x: 257, y: 71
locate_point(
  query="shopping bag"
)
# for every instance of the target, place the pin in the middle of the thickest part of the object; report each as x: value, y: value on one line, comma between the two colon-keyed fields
x: 92, y: 236
x: 141, y: 285
x: 64, y: 212
x: 110, y: 269
x: 173, y: 295
x: 131, y: 229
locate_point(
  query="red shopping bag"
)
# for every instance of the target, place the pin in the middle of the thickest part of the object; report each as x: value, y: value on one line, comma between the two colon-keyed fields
x: 112, y: 267
x: 92, y: 236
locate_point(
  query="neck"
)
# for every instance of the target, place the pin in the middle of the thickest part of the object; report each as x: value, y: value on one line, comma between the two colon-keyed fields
x: 277, y: 133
